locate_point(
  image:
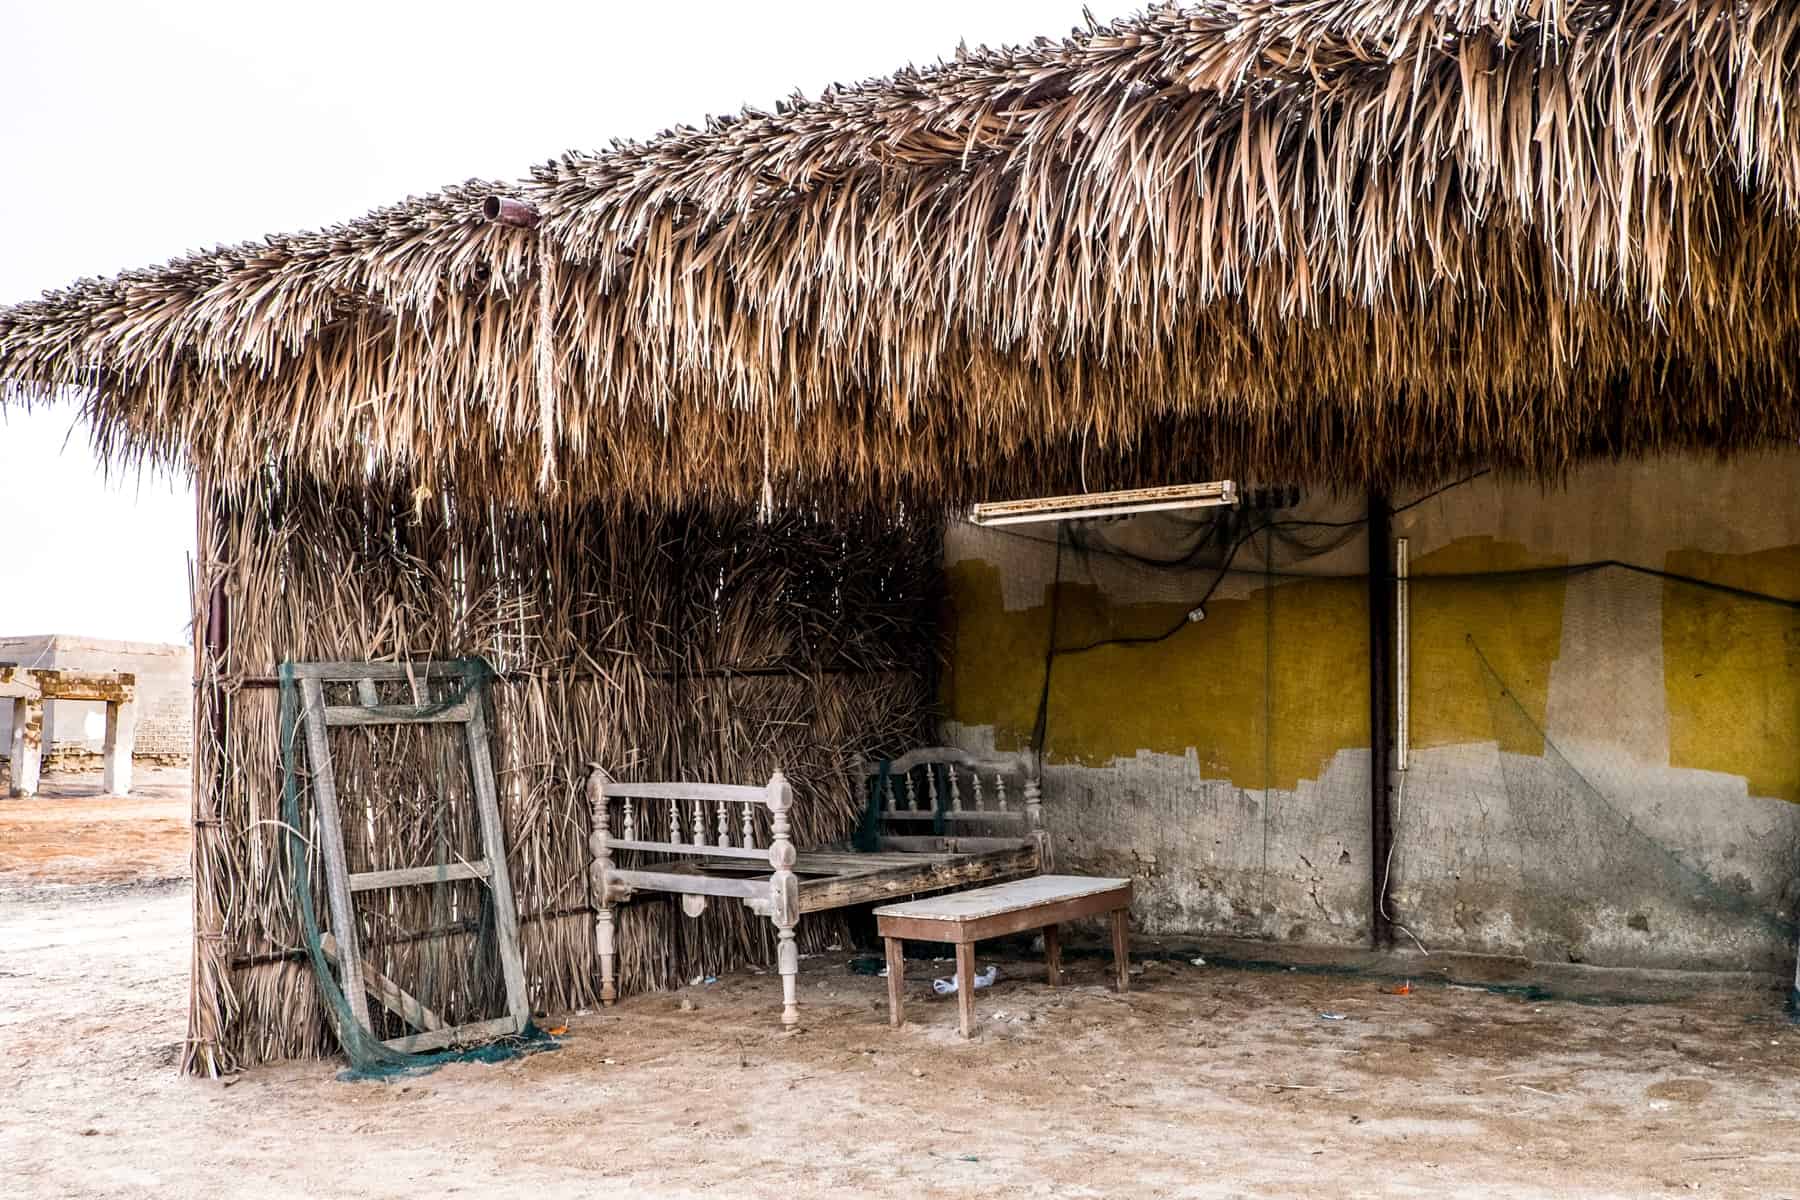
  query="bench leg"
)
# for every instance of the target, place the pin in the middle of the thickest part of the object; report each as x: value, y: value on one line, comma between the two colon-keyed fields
x: 1121, y: 939
x: 965, y: 987
x: 603, y: 938
x: 787, y: 959
x: 1053, y: 955
x: 896, y: 964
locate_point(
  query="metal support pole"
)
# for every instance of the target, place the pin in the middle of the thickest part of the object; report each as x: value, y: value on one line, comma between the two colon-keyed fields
x: 1381, y: 665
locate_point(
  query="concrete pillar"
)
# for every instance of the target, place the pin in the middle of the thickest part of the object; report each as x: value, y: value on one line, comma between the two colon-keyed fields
x: 121, y: 736
x: 27, y: 745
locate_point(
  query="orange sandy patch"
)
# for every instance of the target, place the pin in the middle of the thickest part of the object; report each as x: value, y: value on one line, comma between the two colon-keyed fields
x: 71, y: 833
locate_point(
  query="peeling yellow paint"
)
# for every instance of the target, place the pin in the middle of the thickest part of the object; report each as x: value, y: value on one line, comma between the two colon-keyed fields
x: 1201, y: 689
x: 1731, y: 668
x: 1517, y: 623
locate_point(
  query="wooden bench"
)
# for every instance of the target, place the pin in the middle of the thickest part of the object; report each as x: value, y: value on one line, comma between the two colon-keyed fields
x: 964, y: 918
x: 940, y: 818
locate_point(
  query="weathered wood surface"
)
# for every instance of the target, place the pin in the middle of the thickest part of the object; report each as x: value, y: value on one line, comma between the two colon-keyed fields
x: 701, y: 862
x: 951, y: 845
x: 331, y: 849
x: 396, y: 714
x: 946, y: 784
x: 1003, y: 897
x: 457, y: 1035
x: 1018, y: 920
x: 1121, y: 947
x: 493, y: 845
x: 934, y: 875
x: 965, y: 918
x: 356, y: 672
x: 731, y: 793
x: 393, y: 997
x: 710, y: 851
x: 691, y: 883
x: 357, y: 976
x: 365, y: 881
x: 965, y: 987
x: 896, y: 980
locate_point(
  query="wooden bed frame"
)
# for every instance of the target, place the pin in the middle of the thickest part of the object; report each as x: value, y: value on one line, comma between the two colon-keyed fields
x: 937, y: 818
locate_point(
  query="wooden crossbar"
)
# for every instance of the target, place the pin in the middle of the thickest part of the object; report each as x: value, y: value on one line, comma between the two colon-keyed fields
x: 342, y: 944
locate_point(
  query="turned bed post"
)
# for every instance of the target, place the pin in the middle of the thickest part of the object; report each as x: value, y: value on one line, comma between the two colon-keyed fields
x: 1034, y: 821
x: 784, y: 895
x: 601, y: 874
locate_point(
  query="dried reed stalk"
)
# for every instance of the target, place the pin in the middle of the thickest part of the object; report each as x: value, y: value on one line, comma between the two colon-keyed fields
x: 1386, y: 240
x: 613, y: 631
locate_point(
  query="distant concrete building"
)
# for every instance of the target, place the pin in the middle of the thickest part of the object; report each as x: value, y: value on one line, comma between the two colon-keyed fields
x: 75, y: 730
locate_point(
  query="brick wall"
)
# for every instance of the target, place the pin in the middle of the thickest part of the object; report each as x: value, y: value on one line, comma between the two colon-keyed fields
x: 73, y: 730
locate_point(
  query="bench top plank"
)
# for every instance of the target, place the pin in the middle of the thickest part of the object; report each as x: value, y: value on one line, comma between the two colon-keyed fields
x: 980, y: 903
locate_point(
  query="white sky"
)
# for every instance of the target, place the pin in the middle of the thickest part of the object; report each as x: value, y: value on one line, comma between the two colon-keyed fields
x: 131, y: 132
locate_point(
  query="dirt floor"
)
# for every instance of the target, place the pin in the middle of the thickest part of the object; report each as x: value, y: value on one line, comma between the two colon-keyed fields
x: 1208, y: 1080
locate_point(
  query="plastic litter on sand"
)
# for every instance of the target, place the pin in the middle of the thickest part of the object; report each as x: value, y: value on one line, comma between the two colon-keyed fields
x: 945, y: 987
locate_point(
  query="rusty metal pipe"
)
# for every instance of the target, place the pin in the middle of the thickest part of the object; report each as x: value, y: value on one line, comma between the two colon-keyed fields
x: 507, y: 211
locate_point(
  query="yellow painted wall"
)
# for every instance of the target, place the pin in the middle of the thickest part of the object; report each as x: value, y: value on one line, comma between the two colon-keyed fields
x: 1513, y: 621
x: 1731, y: 668
x: 1201, y: 689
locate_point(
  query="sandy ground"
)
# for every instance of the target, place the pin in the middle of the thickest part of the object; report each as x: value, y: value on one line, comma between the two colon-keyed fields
x: 1202, y: 1081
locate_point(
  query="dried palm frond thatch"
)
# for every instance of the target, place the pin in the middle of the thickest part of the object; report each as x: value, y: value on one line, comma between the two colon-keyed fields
x: 1339, y: 241
x: 660, y: 645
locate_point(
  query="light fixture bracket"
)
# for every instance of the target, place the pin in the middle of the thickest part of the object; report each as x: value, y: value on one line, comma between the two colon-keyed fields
x: 1217, y: 494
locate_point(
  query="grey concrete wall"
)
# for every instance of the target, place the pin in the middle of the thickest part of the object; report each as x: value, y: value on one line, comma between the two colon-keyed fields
x: 1605, y: 766
x: 74, y: 730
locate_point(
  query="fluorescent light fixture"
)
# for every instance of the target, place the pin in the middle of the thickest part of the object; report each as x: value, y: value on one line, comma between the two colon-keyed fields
x: 1217, y: 494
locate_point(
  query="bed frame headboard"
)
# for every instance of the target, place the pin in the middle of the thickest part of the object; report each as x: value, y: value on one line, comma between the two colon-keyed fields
x: 943, y: 797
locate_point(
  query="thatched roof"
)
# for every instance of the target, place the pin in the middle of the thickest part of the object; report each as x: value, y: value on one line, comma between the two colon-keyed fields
x: 1330, y: 241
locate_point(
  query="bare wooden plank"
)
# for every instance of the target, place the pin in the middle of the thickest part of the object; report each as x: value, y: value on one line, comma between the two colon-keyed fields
x: 683, y: 884
x: 951, y: 845
x: 456, y: 1035
x: 688, y: 849
x: 331, y: 849
x: 1005, y: 897
x: 493, y: 844
x: 1019, y: 920
x: 396, y: 714
x: 366, y: 881
x: 393, y: 997
x: 1121, y: 948
x: 945, y: 755
x: 729, y: 792
x: 351, y: 672
x: 896, y: 981
x: 874, y: 858
x: 965, y: 988
x: 817, y: 895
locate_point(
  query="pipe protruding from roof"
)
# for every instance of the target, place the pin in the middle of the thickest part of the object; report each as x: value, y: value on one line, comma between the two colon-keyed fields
x: 508, y: 211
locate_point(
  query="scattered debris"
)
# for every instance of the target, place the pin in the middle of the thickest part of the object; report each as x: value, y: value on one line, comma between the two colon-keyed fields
x: 983, y: 979
x: 1197, y: 961
x: 1333, y: 1016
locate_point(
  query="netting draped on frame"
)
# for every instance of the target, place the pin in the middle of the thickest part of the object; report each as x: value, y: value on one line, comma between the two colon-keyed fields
x: 455, y: 972
x: 702, y: 645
